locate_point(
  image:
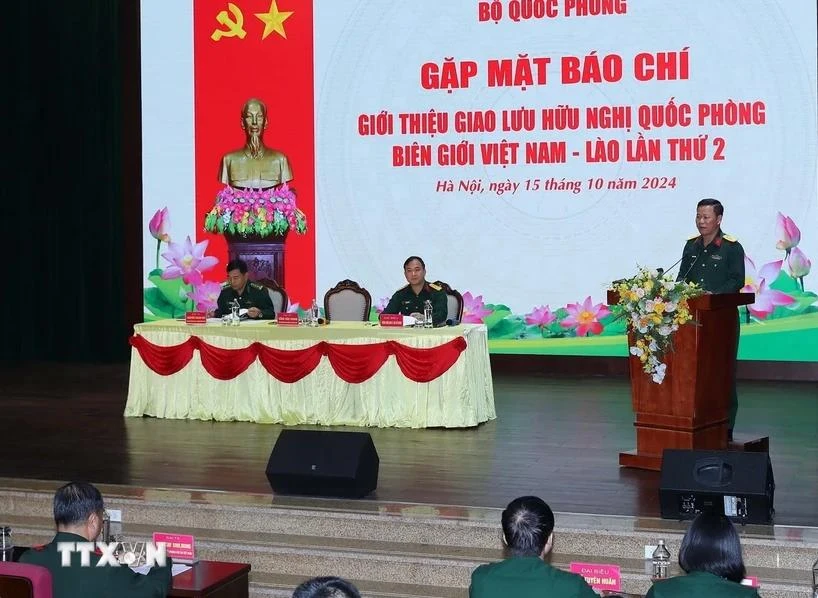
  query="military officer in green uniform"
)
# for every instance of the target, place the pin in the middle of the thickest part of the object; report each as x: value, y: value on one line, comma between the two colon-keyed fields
x: 411, y: 299
x: 78, y: 514
x: 715, y: 262
x: 528, y: 535
x: 250, y: 295
x: 710, y: 555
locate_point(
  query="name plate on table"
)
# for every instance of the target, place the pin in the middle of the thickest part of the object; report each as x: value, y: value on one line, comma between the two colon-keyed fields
x: 599, y: 577
x: 180, y: 547
x: 391, y: 320
x: 195, y: 317
x: 287, y: 319
x: 750, y: 581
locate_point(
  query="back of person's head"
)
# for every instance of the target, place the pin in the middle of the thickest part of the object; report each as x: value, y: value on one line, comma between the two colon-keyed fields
x: 326, y: 587
x: 74, y: 503
x: 712, y: 545
x: 527, y: 526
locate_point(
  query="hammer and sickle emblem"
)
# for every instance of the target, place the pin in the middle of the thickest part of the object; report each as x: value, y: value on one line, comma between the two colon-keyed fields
x: 235, y: 26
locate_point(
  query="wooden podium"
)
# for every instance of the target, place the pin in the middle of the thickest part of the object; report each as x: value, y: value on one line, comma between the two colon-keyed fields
x: 689, y: 410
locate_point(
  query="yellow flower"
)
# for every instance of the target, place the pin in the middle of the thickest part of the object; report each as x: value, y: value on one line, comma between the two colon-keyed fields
x: 659, y: 307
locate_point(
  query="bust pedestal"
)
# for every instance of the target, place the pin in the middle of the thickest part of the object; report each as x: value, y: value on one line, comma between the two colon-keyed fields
x: 264, y: 255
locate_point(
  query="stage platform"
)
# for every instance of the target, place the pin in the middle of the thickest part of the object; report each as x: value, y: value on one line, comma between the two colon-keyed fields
x: 435, y: 514
x: 558, y: 438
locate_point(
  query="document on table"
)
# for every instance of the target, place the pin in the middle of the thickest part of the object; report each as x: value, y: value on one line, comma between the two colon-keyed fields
x: 175, y: 570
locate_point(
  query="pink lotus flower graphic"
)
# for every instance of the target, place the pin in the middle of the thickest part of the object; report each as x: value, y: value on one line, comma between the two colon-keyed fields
x: 585, y: 317
x: 158, y: 228
x: 798, y: 264
x: 188, y: 261
x: 758, y: 282
x: 382, y: 303
x: 294, y: 308
x: 206, y: 295
x: 159, y: 225
x: 541, y: 316
x: 786, y: 232
x: 474, y: 310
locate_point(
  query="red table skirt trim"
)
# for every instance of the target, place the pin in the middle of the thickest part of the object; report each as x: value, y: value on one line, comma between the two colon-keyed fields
x: 352, y: 363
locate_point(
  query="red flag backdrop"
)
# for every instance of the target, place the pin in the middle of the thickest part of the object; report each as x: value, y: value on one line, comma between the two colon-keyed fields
x: 277, y: 68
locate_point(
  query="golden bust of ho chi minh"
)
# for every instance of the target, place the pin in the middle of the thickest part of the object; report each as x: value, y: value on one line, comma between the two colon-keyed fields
x: 255, y: 165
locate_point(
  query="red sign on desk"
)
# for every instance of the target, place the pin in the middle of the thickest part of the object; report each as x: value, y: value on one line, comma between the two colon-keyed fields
x: 287, y: 319
x: 391, y: 320
x: 195, y: 317
x: 599, y: 577
x: 180, y: 547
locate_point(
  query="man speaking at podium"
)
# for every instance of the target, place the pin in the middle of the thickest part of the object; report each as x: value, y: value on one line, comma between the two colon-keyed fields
x: 715, y: 262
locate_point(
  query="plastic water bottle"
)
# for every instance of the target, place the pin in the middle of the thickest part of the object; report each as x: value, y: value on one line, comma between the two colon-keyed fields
x: 427, y: 314
x: 315, y: 313
x: 661, y: 561
x: 234, y: 315
x: 6, y: 544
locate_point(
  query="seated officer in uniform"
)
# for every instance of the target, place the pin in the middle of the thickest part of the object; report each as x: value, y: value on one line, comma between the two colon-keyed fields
x: 410, y: 299
x: 78, y: 513
x: 715, y: 262
x: 710, y: 555
x: 528, y: 536
x: 251, y: 296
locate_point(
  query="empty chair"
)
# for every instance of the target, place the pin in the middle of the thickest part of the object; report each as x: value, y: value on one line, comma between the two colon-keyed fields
x: 20, y: 580
x: 347, y: 301
x: 277, y: 294
x: 454, y: 302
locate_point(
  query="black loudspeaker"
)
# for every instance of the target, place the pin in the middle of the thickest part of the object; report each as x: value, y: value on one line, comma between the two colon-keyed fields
x: 739, y: 485
x: 323, y: 463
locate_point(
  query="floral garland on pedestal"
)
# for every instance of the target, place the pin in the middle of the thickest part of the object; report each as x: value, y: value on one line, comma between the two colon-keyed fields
x: 655, y: 307
x: 256, y: 212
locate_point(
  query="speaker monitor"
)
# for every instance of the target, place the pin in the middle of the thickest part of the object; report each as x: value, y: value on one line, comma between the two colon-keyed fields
x: 323, y: 463
x: 737, y: 484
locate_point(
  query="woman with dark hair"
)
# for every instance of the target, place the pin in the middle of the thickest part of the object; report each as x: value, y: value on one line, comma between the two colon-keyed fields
x: 711, y: 557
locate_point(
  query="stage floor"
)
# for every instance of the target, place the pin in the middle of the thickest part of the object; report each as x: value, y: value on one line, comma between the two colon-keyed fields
x: 558, y: 438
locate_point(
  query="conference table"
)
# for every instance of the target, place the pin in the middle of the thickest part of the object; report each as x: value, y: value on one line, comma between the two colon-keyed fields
x: 342, y: 373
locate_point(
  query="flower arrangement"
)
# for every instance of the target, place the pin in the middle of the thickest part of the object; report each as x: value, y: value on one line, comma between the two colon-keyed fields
x: 655, y: 306
x: 256, y: 212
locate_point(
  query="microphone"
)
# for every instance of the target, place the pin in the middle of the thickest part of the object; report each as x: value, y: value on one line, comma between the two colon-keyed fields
x: 676, y: 263
x: 693, y: 263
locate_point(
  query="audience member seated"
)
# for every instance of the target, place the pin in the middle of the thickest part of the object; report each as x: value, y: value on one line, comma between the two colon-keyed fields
x: 326, y: 587
x: 528, y: 537
x: 711, y: 557
x: 78, y: 513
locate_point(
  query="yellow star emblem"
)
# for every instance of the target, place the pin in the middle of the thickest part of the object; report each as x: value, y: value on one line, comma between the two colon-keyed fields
x: 274, y: 20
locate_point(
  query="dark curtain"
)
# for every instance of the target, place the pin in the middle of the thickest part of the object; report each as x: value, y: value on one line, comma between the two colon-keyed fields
x: 72, y: 185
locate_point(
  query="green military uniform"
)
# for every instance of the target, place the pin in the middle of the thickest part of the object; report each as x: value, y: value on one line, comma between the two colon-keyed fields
x: 717, y: 268
x: 524, y: 577
x: 253, y: 295
x: 96, y: 582
x: 405, y: 302
x: 700, y: 583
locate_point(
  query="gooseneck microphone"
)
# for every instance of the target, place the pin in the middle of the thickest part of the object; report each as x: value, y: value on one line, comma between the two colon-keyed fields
x: 662, y: 271
x: 693, y: 263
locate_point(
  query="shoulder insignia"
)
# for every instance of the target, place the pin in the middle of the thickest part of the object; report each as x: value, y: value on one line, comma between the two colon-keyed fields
x: 225, y: 285
x: 436, y: 287
x: 693, y: 237
x: 730, y: 238
x: 257, y: 286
